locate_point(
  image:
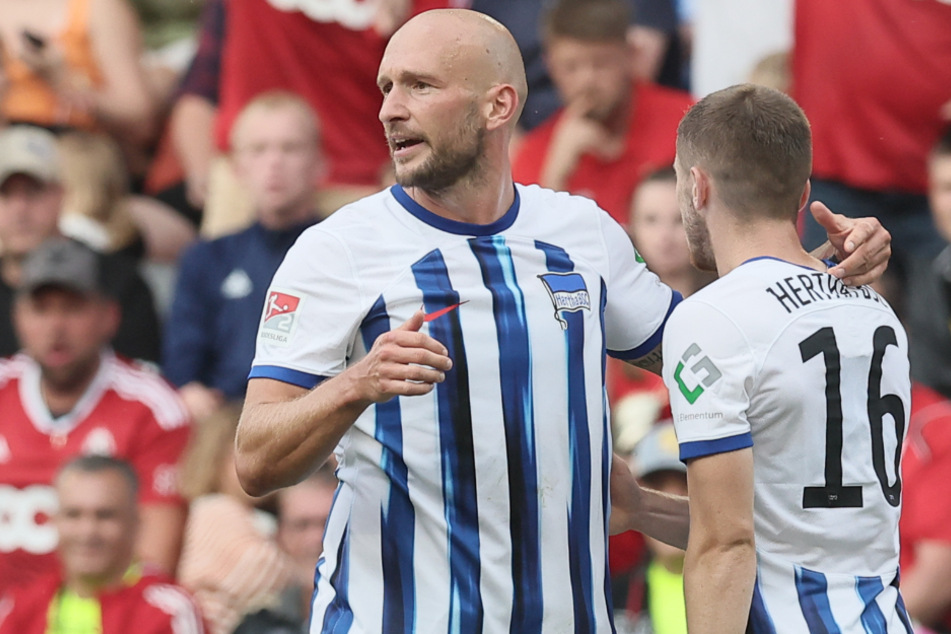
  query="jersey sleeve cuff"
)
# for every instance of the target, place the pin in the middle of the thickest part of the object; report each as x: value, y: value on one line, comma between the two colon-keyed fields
x: 286, y: 375
x: 700, y: 448
x: 654, y: 340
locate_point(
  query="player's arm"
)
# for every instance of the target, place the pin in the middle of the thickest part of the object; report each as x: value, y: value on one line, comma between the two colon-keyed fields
x: 720, y: 564
x: 926, y: 587
x: 653, y: 361
x: 663, y: 516
x: 286, y: 431
x: 862, y: 245
x: 161, y: 528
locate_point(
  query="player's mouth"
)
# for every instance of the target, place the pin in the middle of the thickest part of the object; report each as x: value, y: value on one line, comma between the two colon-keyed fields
x: 403, y: 146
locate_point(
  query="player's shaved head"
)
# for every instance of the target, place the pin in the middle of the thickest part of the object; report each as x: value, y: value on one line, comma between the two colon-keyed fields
x: 476, y: 48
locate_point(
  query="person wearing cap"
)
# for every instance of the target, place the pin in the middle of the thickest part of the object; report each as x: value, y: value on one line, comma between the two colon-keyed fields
x: 654, y: 602
x: 68, y: 394
x: 31, y: 197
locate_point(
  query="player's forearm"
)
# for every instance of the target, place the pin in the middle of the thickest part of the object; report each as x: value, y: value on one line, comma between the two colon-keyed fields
x: 664, y: 517
x: 718, y: 587
x: 280, y: 441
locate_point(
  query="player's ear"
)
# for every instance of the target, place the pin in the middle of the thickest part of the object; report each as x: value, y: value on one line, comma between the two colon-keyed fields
x: 501, y: 105
x: 699, y: 187
x: 806, y: 192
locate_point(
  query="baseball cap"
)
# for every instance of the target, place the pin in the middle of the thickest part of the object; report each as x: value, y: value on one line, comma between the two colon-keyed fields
x: 658, y: 450
x: 29, y: 150
x: 64, y: 263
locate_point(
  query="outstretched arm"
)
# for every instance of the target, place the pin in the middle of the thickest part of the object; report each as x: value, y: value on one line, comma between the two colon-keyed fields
x: 286, y: 431
x: 659, y: 515
x: 862, y: 245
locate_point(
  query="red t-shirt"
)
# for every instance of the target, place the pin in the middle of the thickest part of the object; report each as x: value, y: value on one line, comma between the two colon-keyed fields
x: 146, y: 604
x: 328, y: 53
x: 926, y: 472
x: 871, y: 76
x: 651, y: 144
x: 127, y: 412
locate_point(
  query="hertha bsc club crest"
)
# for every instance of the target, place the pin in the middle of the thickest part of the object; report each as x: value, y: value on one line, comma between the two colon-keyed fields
x: 568, y: 294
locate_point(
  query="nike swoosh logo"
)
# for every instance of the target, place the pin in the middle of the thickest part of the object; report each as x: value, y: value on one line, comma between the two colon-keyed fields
x: 442, y: 311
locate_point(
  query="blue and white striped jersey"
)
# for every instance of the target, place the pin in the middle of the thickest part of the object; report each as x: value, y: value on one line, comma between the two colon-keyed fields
x: 814, y: 376
x: 482, y: 506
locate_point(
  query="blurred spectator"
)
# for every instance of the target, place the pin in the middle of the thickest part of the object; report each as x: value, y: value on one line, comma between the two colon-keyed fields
x: 772, y: 71
x: 31, y: 199
x: 873, y: 76
x: 661, y: 44
x: 272, y: 45
x: 613, y: 128
x: 651, y: 598
x: 75, y: 64
x: 929, y: 312
x: 211, y: 328
x: 170, y: 33
x: 925, y: 527
x: 231, y: 561
x: 98, y: 208
x: 102, y: 588
x: 302, y: 512
x: 731, y: 36
x: 66, y: 394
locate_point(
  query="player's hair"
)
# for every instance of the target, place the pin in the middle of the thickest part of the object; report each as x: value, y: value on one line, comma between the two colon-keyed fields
x: 208, y: 447
x: 98, y: 463
x: 587, y: 20
x: 276, y: 100
x: 755, y: 143
x: 943, y: 146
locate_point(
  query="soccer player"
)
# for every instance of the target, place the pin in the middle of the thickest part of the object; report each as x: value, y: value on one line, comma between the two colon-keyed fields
x: 102, y: 588
x: 789, y: 391
x: 477, y: 500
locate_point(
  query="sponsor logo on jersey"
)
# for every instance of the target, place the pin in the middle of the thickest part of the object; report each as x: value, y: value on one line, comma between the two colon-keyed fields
x: 568, y: 293
x: 280, y: 317
x: 702, y: 373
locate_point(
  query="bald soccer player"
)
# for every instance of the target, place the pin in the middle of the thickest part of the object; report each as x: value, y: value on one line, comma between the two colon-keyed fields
x: 447, y: 337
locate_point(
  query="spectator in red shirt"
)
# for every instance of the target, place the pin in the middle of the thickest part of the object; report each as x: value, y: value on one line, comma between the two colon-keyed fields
x: 101, y: 588
x: 613, y: 127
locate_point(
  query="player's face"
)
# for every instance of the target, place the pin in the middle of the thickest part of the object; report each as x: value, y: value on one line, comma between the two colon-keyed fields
x: 96, y: 522
x: 657, y: 228
x: 595, y: 76
x: 303, y: 514
x: 277, y: 163
x: 29, y: 212
x: 63, y: 332
x: 431, y: 118
x: 698, y: 237
x: 939, y: 193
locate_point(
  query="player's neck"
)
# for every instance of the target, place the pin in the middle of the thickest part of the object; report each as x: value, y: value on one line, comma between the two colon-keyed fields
x: 735, y: 243
x: 476, y: 200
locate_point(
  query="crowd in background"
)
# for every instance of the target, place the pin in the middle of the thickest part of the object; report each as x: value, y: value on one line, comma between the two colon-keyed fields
x: 159, y: 157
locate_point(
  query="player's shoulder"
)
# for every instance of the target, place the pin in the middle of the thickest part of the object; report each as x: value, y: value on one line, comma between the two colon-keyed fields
x: 142, y: 383
x: 552, y: 206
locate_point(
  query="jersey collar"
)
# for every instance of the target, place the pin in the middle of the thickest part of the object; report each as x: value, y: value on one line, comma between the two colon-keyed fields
x: 455, y: 226
x: 31, y: 395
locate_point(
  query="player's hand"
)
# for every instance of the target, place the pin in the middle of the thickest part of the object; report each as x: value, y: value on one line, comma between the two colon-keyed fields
x: 862, y: 245
x: 403, y: 362
x: 626, y: 497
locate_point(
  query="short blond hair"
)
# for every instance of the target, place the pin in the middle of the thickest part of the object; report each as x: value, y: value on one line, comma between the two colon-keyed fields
x: 276, y: 100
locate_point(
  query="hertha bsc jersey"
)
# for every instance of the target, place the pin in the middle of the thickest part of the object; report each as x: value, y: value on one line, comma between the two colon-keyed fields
x: 482, y: 506
x: 814, y: 376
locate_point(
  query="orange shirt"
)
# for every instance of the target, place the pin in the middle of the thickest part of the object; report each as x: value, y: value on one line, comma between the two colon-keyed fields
x: 29, y: 99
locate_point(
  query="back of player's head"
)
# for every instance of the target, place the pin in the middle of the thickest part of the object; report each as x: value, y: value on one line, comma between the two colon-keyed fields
x: 587, y: 20
x: 756, y: 145
x: 276, y: 100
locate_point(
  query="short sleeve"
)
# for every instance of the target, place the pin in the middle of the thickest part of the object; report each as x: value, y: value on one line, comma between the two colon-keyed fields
x: 709, y: 370
x: 311, y: 313
x: 638, y: 303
